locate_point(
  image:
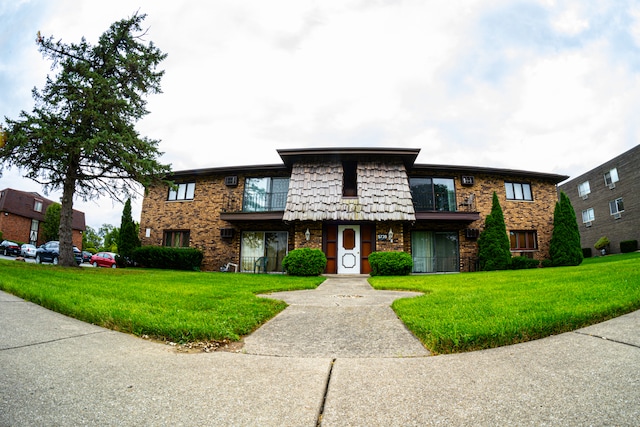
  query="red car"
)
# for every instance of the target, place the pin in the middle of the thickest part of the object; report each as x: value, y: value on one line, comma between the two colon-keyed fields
x: 104, y: 259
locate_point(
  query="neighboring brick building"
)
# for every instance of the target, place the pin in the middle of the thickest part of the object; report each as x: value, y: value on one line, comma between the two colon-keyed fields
x: 607, y: 201
x: 21, y: 215
x: 348, y: 202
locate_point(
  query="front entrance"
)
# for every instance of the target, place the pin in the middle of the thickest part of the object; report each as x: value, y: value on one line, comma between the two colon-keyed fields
x: 348, y: 249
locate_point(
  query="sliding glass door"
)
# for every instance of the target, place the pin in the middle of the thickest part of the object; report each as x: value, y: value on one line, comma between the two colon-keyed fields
x: 435, y: 251
x: 263, y: 251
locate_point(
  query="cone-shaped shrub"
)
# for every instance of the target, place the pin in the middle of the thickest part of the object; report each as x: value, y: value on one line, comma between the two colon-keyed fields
x: 565, y: 246
x: 493, y: 244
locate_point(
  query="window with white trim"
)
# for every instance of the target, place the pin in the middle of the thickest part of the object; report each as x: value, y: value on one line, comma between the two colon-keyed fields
x: 616, y: 206
x: 518, y: 191
x: 584, y: 189
x: 183, y: 191
x: 611, y: 177
x: 588, y: 215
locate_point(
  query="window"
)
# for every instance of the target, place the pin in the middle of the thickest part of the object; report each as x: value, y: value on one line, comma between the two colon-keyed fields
x: 33, y: 232
x: 176, y: 238
x: 584, y: 189
x: 265, y: 194
x: 183, y: 191
x: 523, y: 240
x: 588, y: 215
x: 263, y: 251
x: 349, y: 179
x: 433, y: 194
x: 37, y: 206
x: 611, y: 177
x: 434, y: 251
x: 518, y: 191
x: 616, y: 206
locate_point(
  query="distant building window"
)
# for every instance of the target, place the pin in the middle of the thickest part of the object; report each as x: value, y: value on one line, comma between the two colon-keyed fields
x: 349, y: 179
x: 518, y: 191
x: 176, y: 238
x: 584, y: 189
x: 616, y: 206
x: 183, y: 191
x: 523, y: 240
x: 611, y: 177
x: 588, y: 215
x: 37, y: 206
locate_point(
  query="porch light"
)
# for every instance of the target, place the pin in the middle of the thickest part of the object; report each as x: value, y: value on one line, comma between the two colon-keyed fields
x: 307, y: 235
x: 390, y: 235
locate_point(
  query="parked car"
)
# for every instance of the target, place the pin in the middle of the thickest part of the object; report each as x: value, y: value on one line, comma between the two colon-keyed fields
x: 28, y: 250
x: 104, y: 259
x: 10, y: 248
x: 50, y: 252
x: 86, y: 256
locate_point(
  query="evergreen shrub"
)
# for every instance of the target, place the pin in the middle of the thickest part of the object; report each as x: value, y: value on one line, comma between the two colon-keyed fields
x: 494, y: 248
x: 168, y: 258
x: 628, y: 246
x: 564, y: 248
x: 523, y: 262
x: 304, y: 262
x: 390, y: 263
x: 587, y: 253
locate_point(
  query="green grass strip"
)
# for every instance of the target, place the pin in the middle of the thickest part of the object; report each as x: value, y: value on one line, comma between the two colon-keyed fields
x: 170, y: 305
x: 473, y: 311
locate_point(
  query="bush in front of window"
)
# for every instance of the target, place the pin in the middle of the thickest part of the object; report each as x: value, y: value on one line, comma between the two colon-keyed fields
x: 587, y: 253
x: 304, y: 262
x: 627, y: 246
x: 523, y: 262
x: 168, y: 258
x: 494, y: 248
x: 390, y: 263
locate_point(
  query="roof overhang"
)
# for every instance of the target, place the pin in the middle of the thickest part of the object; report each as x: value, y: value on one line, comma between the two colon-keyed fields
x: 406, y: 155
x: 555, y: 178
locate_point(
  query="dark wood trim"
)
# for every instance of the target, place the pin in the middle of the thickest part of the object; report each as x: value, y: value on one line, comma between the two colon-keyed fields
x: 252, y: 216
x: 448, y: 216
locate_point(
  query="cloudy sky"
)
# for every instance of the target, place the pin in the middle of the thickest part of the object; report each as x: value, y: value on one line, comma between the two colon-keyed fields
x: 541, y: 85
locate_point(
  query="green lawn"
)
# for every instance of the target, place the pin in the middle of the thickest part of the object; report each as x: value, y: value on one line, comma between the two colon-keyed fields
x: 472, y: 311
x: 460, y: 312
x: 171, y: 305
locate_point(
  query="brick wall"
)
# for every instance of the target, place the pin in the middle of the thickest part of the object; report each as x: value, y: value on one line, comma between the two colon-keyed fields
x: 17, y: 228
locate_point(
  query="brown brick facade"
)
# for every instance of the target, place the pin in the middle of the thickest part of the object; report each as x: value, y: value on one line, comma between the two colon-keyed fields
x: 217, y: 206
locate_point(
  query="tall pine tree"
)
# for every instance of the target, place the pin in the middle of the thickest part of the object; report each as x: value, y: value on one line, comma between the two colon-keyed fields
x: 128, y: 237
x: 493, y: 245
x: 565, y: 246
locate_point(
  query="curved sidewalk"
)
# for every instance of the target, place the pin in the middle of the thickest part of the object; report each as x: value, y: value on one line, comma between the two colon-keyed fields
x: 55, y: 370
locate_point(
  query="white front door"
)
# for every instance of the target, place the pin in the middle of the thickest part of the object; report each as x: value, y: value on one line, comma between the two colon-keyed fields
x: 348, y: 249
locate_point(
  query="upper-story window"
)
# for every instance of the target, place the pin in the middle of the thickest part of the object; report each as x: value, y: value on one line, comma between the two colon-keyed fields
x: 184, y: 191
x: 584, y: 189
x: 37, y: 205
x: 611, y: 177
x: 349, y: 179
x: 588, y: 215
x: 518, y: 191
x: 616, y: 206
x: 433, y: 194
x: 265, y: 194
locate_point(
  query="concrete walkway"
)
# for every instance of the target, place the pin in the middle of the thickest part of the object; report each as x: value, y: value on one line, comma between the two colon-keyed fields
x: 58, y: 371
x: 343, y: 317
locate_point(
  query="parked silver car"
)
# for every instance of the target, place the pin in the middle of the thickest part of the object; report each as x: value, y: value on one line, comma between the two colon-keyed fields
x: 28, y: 251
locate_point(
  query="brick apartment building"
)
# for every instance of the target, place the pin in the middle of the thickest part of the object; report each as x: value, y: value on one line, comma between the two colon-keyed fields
x: 607, y: 201
x: 21, y: 215
x: 348, y: 202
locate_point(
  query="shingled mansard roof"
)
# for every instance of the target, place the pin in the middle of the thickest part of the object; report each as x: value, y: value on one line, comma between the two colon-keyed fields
x: 315, y: 193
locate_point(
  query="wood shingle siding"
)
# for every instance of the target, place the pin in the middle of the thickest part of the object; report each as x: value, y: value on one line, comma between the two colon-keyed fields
x: 315, y: 193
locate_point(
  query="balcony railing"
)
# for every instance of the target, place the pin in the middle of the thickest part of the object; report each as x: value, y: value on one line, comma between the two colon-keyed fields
x: 435, y: 264
x: 255, y: 202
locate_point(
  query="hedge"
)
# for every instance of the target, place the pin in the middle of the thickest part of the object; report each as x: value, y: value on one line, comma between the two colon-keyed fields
x: 523, y: 262
x: 628, y: 246
x: 390, y: 263
x: 304, y: 262
x: 168, y: 258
